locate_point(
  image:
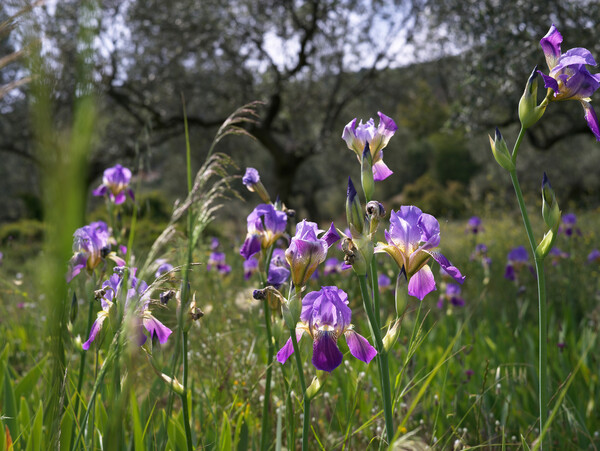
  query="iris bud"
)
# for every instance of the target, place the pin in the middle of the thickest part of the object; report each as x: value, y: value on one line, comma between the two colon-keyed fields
x: 392, y: 335
x: 366, y: 173
x: 354, y: 214
x: 375, y: 212
x: 550, y: 211
x: 500, y: 151
x: 529, y: 111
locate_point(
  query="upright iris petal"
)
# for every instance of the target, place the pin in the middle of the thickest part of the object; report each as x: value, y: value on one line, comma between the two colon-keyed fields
x: 411, y: 239
x: 357, y: 136
x: 307, y: 251
x: 325, y: 317
x: 569, y: 77
x: 265, y: 226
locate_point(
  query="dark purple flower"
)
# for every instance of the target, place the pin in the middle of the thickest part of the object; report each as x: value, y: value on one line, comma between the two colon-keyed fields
x: 568, y: 225
x: 115, y: 183
x: 265, y: 226
x: 357, y: 136
x: 517, y: 258
x: 480, y: 253
x: 569, y: 77
x: 307, y: 251
x: 557, y: 255
x: 279, y: 270
x: 411, y: 240
x: 384, y: 282
x: 594, y: 256
x: 452, y: 295
x: 91, y: 245
x: 1, y: 257
x: 325, y: 317
x: 332, y: 266
x: 217, y: 260
x: 474, y: 225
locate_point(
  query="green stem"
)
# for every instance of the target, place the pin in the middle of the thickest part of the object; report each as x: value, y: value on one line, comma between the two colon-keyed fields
x: 375, y: 285
x: 184, y: 397
x: 305, y: 399
x: 264, y: 443
x: 382, y: 359
x: 542, y: 317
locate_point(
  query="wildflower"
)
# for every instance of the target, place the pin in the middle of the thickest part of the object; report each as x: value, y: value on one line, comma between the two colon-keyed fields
x: 214, y: 243
x: 163, y: 267
x: 332, y: 266
x: 115, y: 183
x: 250, y: 267
x: 251, y: 180
x: 357, y: 137
x: 474, y: 225
x: 568, y: 225
x: 307, y: 251
x: 411, y: 240
x: 138, y: 292
x: 91, y: 245
x: 384, y: 282
x: 325, y: 317
x: 557, y: 255
x: 452, y: 295
x: 516, y: 259
x: 265, y: 226
x: 480, y: 252
x: 217, y: 260
x: 279, y: 270
x: 594, y: 256
x: 569, y: 77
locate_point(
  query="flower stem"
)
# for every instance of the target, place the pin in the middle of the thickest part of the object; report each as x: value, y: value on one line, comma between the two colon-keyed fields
x: 305, y: 399
x: 375, y: 285
x: 382, y: 360
x: 184, y: 397
x: 541, y: 286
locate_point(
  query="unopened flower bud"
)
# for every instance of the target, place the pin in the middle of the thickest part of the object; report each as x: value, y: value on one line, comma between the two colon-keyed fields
x: 529, y: 111
x: 173, y: 383
x: 550, y: 211
x: 392, y: 335
x: 354, y: 214
x: 251, y: 180
x: 366, y: 173
x: 375, y: 212
x: 500, y: 151
x: 316, y: 385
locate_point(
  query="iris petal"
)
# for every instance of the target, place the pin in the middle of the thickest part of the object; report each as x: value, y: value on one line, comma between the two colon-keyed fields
x: 421, y: 283
x: 326, y: 354
x: 360, y: 347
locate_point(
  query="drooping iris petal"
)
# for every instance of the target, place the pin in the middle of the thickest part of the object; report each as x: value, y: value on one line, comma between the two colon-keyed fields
x: 359, y: 346
x: 288, y: 348
x: 381, y: 171
x: 326, y: 354
x: 591, y: 119
x: 95, y: 329
x: 421, y: 283
x: 452, y: 271
x: 251, y: 246
x: 156, y: 328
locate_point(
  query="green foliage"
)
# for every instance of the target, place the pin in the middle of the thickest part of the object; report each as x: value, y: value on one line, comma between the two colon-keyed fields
x: 447, y: 200
x: 27, y: 231
x: 452, y: 159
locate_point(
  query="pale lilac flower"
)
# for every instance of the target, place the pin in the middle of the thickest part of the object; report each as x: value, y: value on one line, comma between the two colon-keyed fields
x: 265, y: 226
x: 384, y: 282
x: 163, y: 267
x: 279, y: 269
x: 411, y: 241
x: 569, y: 77
x: 594, y: 256
x: 474, y: 225
x: 452, y: 296
x: 358, y: 136
x: 325, y: 317
x: 251, y: 178
x: 307, y: 251
x: 115, y: 183
x: 91, y: 245
x: 250, y: 267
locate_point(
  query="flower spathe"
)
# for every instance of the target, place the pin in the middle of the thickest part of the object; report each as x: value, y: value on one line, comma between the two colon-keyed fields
x: 569, y: 77
x: 265, y: 226
x: 307, y: 251
x: 411, y: 240
x: 358, y: 136
x: 325, y: 318
x: 115, y: 183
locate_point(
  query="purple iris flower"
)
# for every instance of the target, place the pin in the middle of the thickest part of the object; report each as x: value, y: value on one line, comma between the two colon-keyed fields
x: 568, y: 225
x: 265, y: 226
x: 411, y: 240
x: 569, y: 77
x: 91, y: 245
x: 138, y: 292
x: 452, y: 295
x: 115, y: 183
x: 251, y: 178
x: 557, y: 255
x: 307, y: 251
x: 163, y: 267
x: 384, y: 282
x: 279, y: 270
x: 357, y: 137
x: 480, y: 252
x: 217, y: 260
x: 325, y: 317
x: 594, y: 256
x: 250, y: 267
x: 517, y: 258
x: 332, y: 266
x: 214, y: 243
x: 474, y: 225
